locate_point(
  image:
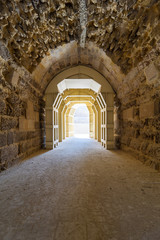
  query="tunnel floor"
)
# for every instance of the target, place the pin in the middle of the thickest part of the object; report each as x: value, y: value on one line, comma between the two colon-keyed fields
x: 80, y: 191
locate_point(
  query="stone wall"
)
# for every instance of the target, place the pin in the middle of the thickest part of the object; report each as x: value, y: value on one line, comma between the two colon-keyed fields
x: 21, y: 113
x: 114, y: 33
x: 140, y: 111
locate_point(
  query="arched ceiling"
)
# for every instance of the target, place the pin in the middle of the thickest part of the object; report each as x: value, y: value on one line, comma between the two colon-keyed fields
x: 125, y: 30
x: 73, y: 71
x: 70, y: 55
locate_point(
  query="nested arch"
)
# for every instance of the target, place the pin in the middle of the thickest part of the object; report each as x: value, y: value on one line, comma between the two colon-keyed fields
x: 102, y: 104
x: 81, y: 72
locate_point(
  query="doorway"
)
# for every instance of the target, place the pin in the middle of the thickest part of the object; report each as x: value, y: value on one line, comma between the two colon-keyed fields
x: 81, y: 121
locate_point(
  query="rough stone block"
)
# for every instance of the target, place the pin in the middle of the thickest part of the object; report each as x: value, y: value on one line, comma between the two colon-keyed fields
x: 8, y: 123
x: 39, y: 72
x: 10, y: 138
x: 37, y: 116
x: 30, y: 111
x: 128, y: 114
x: 8, y: 73
x: 37, y: 125
x: 4, y: 53
x: 2, y: 107
x: 144, y: 146
x: 8, y: 153
x: 151, y: 73
x: 3, y: 139
x: 36, y: 142
x: 23, y: 123
x: 149, y: 109
x: 15, y: 78
x: 19, y: 136
x: 31, y: 134
x: 23, y: 147
x: 157, y: 137
x: 38, y: 133
x: 31, y: 124
x: 131, y: 75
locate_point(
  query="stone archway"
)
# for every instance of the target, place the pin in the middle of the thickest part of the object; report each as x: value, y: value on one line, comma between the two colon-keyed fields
x: 103, y: 106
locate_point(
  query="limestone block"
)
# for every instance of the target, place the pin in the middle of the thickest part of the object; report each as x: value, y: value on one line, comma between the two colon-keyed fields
x: 19, y: 136
x: 3, y: 139
x: 23, y: 124
x: 37, y: 116
x: 110, y: 136
x: 110, y: 99
x: 4, y: 53
x: 2, y: 107
x: 131, y: 75
x: 39, y: 72
x: 8, y: 153
x: 10, y: 138
x: 128, y: 114
x: 8, y: 123
x: 149, y: 109
x: 37, y: 125
x: 109, y: 117
x: 49, y: 134
x: 25, y: 146
x: 31, y: 124
x: 15, y: 78
x: 49, y: 117
x: 151, y: 73
x: 50, y: 100
x: 36, y: 142
x: 30, y: 111
x: 31, y: 134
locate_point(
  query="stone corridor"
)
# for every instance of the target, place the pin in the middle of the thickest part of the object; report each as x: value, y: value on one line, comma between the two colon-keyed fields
x: 83, y: 192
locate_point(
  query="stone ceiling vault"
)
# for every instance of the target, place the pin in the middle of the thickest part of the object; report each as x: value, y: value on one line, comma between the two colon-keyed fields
x: 70, y: 55
x: 125, y: 30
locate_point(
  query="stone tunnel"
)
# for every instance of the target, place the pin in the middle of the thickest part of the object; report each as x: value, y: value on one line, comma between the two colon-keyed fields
x: 102, y: 53
x: 43, y: 41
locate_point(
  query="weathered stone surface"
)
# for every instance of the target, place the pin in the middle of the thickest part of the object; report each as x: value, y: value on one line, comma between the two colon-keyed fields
x: 149, y: 109
x: 2, y: 107
x: 4, y: 53
x: 25, y: 146
x: 28, y: 42
x: 8, y: 123
x: 10, y: 138
x: 116, y: 26
x: 8, y: 153
x: 15, y: 78
x: 30, y: 111
x: 128, y: 114
x: 23, y: 124
x: 140, y: 136
x: 151, y: 73
x: 20, y: 136
x: 3, y: 139
x: 31, y: 124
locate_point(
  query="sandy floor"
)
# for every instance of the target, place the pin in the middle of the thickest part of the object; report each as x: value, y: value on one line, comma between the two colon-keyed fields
x: 80, y: 191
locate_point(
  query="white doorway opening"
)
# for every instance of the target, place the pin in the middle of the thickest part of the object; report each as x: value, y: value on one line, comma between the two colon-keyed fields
x: 81, y: 121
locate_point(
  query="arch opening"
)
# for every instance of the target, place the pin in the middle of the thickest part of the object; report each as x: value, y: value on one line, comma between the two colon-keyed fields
x: 72, y: 87
x: 81, y: 121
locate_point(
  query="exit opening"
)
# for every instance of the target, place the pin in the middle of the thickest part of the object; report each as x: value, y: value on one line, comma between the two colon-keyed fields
x: 81, y: 121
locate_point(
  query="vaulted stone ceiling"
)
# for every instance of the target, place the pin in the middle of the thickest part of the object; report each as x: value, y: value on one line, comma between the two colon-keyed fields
x: 125, y: 30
